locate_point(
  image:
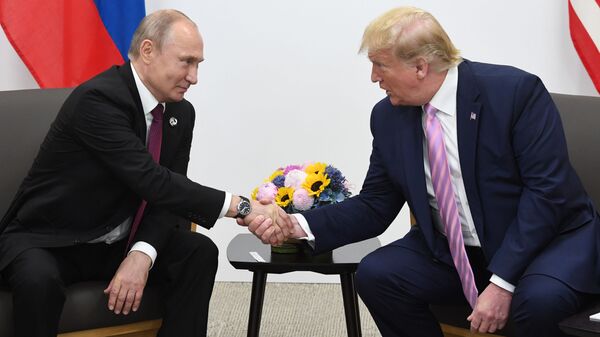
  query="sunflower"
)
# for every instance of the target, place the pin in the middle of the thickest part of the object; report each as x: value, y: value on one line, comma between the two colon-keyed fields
x: 316, y: 183
x: 254, y: 192
x: 284, y: 196
x: 275, y: 175
x: 315, y: 168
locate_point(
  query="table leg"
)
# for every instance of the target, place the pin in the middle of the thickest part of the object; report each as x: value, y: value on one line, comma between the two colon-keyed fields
x: 259, y: 280
x: 350, y: 305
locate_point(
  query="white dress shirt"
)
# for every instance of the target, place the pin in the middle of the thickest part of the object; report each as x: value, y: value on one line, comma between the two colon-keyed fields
x: 445, y: 101
x: 149, y: 102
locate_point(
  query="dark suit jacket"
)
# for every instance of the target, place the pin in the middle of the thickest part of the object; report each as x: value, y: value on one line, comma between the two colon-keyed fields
x: 530, y: 210
x: 93, y: 169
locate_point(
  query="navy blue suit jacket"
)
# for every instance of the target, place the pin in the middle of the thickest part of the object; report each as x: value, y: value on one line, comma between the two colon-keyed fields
x: 530, y: 210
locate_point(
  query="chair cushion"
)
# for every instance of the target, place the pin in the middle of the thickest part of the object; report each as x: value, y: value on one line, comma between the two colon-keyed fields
x: 86, y: 308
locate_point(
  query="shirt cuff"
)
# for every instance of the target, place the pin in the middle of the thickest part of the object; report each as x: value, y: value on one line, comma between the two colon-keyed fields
x: 226, y: 204
x: 310, y: 238
x: 495, y: 279
x: 145, y: 248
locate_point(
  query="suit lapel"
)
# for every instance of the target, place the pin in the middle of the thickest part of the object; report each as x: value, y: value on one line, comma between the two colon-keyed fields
x: 469, y: 113
x: 172, y: 130
x: 139, y: 119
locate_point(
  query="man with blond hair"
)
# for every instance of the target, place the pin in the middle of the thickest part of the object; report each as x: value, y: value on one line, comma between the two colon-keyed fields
x: 110, y: 180
x: 478, y: 153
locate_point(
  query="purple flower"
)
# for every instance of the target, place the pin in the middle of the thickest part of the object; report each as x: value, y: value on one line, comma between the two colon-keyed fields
x: 266, y: 192
x: 290, y: 168
x: 302, y: 201
x: 279, y: 181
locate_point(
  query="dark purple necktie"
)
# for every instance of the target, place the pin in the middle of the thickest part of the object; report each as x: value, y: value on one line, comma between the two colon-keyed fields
x: 444, y: 194
x: 154, y: 143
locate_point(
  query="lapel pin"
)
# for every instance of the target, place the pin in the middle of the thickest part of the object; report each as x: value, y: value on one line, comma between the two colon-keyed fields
x: 473, y: 116
x: 173, y: 121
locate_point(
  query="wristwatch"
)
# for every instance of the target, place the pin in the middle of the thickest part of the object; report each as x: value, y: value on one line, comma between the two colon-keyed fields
x: 243, y: 207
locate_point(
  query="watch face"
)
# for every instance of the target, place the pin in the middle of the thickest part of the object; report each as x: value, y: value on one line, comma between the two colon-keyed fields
x: 244, y: 208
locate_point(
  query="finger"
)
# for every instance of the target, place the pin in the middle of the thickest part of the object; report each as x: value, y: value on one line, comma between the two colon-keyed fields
x: 277, y: 236
x: 112, y: 298
x: 492, y: 328
x: 263, y: 227
x: 240, y: 222
x: 501, y: 325
x: 138, y: 300
x: 267, y: 235
x: 121, y: 300
x: 129, y: 301
x: 265, y: 202
x: 287, y: 220
x: 254, y: 224
x: 484, y: 326
x: 107, y: 290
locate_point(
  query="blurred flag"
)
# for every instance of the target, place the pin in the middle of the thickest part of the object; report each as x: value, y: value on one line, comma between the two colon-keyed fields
x: 584, y: 23
x: 65, y: 42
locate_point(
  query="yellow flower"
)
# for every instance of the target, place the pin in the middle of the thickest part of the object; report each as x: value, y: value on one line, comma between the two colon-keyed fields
x: 315, y: 168
x: 275, y: 174
x: 254, y: 192
x: 284, y: 196
x: 316, y: 183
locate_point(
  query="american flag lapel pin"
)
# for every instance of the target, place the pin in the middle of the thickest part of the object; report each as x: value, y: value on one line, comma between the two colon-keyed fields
x: 473, y: 116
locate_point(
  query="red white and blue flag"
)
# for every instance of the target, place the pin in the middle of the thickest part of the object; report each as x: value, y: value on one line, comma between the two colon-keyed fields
x: 65, y: 42
x: 584, y: 24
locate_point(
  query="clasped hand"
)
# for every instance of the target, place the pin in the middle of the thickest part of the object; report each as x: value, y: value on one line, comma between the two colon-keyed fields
x: 271, y: 224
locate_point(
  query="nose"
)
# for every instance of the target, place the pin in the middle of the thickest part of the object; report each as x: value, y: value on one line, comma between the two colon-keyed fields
x: 374, y: 75
x: 192, y: 75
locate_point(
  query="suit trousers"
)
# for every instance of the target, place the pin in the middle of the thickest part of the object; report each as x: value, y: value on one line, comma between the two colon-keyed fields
x: 185, y: 270
x: 398, y: 283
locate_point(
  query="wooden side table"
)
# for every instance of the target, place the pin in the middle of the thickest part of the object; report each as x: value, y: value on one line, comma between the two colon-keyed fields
x: 342, y: 261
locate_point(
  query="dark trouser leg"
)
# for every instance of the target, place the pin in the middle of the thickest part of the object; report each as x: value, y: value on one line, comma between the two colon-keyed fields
x: 540, y: 302
x: 38, y: 293
x: 397, y: 285
x: 186, y: 268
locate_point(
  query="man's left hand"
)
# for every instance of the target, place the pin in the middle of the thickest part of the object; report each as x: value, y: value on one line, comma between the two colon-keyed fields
x: 127, y: 286
x: 491, y: 310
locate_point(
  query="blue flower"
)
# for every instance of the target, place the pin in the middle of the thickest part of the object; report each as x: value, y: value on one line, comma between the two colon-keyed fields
x: 337, y: 179
x: 279, y: 181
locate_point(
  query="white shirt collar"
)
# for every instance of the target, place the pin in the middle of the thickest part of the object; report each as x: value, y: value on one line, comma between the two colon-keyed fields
x: 445, y: 98
x: 149, y: 102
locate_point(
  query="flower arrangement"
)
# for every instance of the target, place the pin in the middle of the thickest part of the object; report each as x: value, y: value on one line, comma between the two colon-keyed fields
x: 297, y: 188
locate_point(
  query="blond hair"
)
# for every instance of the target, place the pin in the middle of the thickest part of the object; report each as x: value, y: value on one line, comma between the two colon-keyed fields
x: 409, y: 33
x: 156, y: 28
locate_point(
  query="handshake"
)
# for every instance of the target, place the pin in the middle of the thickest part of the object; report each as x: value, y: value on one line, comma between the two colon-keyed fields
x: 271, y: 224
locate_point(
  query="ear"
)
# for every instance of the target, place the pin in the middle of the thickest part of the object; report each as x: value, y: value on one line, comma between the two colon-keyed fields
x: 147, y: 51
x: 422, y: 67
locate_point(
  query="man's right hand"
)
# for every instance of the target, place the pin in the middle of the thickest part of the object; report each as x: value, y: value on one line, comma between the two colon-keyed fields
x: 264, y: 228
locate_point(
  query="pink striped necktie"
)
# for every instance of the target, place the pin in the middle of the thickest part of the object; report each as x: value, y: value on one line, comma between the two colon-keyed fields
x: 154, y: 144
x: 444, y: 194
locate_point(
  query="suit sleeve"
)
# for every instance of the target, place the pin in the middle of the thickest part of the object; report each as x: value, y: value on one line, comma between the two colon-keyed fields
x: 540, y: 150
x: 106, y: 131
x: 361, y: 217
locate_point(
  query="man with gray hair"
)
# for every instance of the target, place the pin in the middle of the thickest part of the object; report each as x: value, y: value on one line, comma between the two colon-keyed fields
x: 478, y: 153
x: 109, y: 180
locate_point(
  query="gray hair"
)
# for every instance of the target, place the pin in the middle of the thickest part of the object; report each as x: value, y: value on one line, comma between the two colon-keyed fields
x: 156, y: 28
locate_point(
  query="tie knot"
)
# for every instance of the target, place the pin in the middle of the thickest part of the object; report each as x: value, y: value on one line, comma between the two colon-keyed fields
x: 157, y: 113
x: 430, y: 109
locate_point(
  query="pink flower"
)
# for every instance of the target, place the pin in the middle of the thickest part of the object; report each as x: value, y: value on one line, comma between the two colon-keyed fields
x: 302, y: 201
x: 294, y: 179
x: 266, y: 192
x: 291, y: 168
